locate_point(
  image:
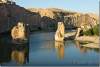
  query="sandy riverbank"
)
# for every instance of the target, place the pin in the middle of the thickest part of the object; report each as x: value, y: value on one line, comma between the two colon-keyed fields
x: 94, y: 39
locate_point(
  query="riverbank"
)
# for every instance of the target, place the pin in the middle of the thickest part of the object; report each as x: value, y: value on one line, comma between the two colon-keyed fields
x: 94, y: 39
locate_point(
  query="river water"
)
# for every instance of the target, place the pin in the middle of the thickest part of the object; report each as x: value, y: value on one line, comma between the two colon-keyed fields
x: 42, y: 50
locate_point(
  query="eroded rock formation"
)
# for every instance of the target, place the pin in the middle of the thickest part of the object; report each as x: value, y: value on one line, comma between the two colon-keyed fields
x: 18, y: 32
x: 59, y: 35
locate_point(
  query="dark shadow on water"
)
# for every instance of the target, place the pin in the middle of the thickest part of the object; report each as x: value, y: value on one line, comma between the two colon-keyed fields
x: 13, y: 52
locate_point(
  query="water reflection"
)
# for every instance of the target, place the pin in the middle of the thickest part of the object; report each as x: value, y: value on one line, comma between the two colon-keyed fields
x: 5, y: 49
x: 42, y: 52
x: 79, y: 46
x: 12, y: 52
x: 84, y: 49
x: 5, y: 53
x: 59, y: 46
x: 19, y: 54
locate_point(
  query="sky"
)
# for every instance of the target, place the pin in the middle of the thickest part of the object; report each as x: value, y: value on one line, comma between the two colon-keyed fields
x: 74, y: 5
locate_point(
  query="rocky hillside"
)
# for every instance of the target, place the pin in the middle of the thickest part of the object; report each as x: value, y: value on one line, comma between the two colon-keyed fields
x: 71, y: 19
x: 42, y: 19
x: 12, y: 13
x: 51, y: 16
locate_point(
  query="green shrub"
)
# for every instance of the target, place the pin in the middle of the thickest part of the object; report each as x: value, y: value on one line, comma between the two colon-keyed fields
x: 93, y: 31
x: 96, y: 30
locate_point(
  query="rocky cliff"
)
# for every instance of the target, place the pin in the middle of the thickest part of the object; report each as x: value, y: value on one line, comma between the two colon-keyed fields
x: 10, y: 14
x: 50, y: 16
x: 45, y: 19
x: 70, y: 19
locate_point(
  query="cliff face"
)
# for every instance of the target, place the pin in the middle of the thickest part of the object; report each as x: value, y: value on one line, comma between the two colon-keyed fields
x: 70, y: 19
x: 12, y: 13
x: 45, y: 19
x: 50, y: 17
x: 4, y: 19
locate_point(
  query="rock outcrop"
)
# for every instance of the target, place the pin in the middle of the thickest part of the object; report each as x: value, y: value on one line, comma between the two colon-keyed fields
x: 18, y: 32
x: 59, y: 35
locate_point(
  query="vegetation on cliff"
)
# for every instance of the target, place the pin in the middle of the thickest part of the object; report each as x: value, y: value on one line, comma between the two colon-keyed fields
x: 92, y: 31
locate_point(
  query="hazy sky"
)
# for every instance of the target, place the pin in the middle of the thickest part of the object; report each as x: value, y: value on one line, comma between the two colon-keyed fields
x: 74, y: 5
